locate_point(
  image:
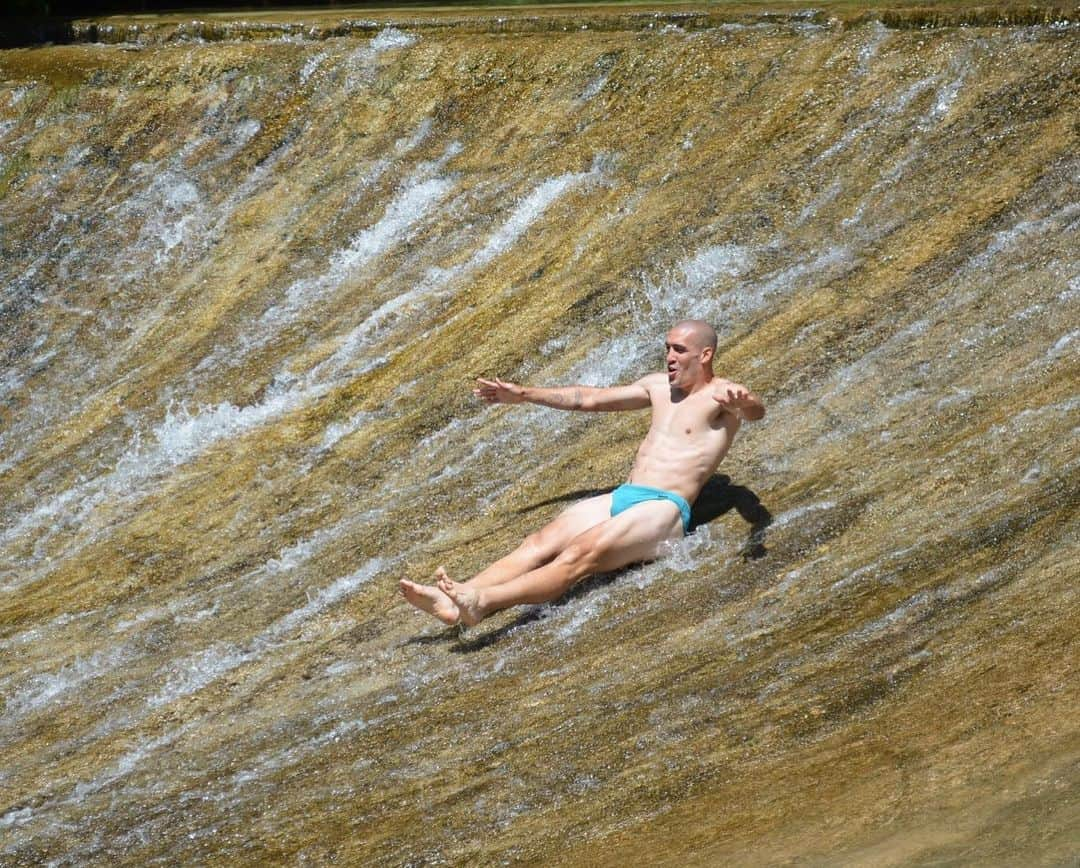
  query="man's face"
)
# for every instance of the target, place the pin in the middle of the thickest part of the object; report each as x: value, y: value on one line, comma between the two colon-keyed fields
x: 685, y: 357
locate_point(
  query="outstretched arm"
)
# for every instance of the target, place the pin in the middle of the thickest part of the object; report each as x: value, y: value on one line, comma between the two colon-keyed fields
x: 588, y: 398
x: 737, y: 399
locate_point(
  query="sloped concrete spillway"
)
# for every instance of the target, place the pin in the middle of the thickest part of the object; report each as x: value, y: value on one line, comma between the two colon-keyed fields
x: 249, y: 272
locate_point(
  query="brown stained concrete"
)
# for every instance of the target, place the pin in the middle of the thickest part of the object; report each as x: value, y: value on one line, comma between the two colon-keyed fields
x: 208, y: 497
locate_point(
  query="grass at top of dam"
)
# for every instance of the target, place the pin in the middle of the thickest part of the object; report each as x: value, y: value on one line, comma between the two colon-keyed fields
x: 916, y: 12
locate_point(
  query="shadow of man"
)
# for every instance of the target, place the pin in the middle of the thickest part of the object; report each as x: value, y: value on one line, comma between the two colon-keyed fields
x: 718, y: 497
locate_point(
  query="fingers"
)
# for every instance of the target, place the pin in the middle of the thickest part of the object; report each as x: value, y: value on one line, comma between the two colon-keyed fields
x: 494, y: 391
x: 733, y: 397
x: 487, y: 390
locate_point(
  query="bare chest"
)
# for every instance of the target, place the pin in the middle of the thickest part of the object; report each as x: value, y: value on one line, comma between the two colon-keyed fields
x: 695, y: 417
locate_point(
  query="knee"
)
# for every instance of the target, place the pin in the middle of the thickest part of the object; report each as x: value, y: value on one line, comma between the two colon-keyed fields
x: 580, y: 557
x: 534, y: 546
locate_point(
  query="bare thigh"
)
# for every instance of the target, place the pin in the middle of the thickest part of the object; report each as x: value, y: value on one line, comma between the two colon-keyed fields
x: 634, y: 535
x: 573, y: 521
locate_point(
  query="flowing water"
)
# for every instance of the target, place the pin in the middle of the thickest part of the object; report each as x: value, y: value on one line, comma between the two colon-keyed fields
x: 250, y: 269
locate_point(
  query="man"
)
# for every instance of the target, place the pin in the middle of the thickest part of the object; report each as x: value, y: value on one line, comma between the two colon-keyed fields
x: 695, y: 416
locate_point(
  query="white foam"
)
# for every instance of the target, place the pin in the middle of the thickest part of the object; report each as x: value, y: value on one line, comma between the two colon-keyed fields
x: 185, y: 434
x: 335, y: 431
x: 309, y: 291
x: 677, y: 556
x: 341, y: 667
x: 292, y: 755
x: 152, y: 613
x: 1060, y: 346
x: 581, y: 612
x: 943, y: 101
x: 390, y: 37
x: 168, y: 225
x: 312, y: 64
x: 420, y: 135
x: 792, y: 577
x: 685, y: 555
x: 699, y: 278
x: 17, y: 94
x: 324, y: 598
x: 175, y: 217
x: 875, y: 571
x: 40, y: 691
x: 793, y: 515
x: 1024, y: 231
x: 711, y: 283
x: 859, y: 371
x: 878, y: 34
x: 957, y: 396
x: 823, y: 198
x: 200, y: 615
x: 753, y: 297
x: 527, y: 212
x: 413, y: 202
x: 905, y: 397
x: 881, y: 111
x: 206, y: 666
x: 593, y: 87
x: 16, y: 817
x: 198, y: 670
x: 360, y: 65
x: 182, y: 436
x: 438, y: 281
x: 925, y: 604
x: 128, y: 762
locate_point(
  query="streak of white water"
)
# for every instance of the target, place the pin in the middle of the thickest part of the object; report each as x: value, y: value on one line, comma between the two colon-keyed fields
x: 881, y: 111
x: 417, y: 199
x: 439, y: 281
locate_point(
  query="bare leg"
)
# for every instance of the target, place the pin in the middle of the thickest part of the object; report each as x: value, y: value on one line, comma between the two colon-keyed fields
x: 539, y: 548
x: 634, y: 535
x: 536, y: 550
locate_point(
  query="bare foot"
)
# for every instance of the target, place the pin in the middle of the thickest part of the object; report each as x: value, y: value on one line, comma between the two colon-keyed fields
x: 430, y: 599
x: 465, y: 598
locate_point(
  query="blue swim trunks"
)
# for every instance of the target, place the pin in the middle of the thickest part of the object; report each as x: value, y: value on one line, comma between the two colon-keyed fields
x: 626, y: 496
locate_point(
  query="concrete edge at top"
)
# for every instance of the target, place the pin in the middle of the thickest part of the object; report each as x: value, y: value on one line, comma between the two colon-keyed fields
x: 317, y: 25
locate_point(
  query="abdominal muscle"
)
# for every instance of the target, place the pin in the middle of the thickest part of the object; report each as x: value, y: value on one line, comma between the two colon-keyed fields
x: 679, y: 462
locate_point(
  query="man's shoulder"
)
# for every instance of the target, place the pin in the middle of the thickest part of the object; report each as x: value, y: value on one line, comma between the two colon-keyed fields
x: 651, y: 381
x: 720, y: 385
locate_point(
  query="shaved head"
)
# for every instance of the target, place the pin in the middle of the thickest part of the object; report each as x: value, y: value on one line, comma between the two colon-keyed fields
x: 703, y: 333
x: 688, y: 351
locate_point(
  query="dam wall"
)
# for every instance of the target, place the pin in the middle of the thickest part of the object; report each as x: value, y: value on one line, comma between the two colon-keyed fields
x: 249, y: 272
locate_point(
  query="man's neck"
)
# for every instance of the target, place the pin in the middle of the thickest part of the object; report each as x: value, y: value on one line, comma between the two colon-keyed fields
x: 677, y: 394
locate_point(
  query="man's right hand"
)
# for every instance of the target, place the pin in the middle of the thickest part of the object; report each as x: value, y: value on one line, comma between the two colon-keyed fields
x: 497, y: 392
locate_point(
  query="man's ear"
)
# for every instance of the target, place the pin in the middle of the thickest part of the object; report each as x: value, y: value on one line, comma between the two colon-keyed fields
x: 707, y: 355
